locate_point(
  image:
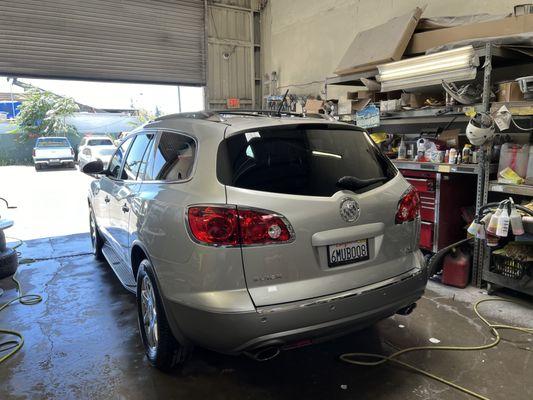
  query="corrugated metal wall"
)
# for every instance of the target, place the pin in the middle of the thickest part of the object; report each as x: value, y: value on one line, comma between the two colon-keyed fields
x: 231, y: 51
x: 155, y: 41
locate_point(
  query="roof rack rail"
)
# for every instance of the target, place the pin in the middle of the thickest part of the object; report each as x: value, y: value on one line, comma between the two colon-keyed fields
x: 217, y: 115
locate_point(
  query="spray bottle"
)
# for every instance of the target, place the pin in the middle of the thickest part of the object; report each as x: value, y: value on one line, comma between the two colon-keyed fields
x: 516, y: 220
x: 493, y: 222
x: 502, y: 229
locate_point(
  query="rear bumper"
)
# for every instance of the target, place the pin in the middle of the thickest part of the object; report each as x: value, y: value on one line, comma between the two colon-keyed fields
x: 316, y: 320
x: 53, y: 161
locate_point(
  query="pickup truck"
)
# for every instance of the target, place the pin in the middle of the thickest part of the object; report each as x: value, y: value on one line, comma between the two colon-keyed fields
x: 53, y: 151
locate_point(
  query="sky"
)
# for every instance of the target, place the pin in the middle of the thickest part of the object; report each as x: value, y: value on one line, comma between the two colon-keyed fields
x: 118, y: 95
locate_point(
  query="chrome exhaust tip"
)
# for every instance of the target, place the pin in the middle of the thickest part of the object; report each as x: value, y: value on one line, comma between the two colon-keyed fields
x: 406, y: 310
x: 264, y: 354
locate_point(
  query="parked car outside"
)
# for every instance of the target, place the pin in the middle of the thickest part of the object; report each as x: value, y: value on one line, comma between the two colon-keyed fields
x: 94, y: 148
x: 53, y: 151
x: 247, y: 234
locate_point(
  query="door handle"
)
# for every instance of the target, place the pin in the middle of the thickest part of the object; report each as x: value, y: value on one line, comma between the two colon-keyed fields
x: 125, y: 208
x: 106, y: 199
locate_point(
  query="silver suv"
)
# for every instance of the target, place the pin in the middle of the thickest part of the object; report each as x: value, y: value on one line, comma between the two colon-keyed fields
x: 253, y: 233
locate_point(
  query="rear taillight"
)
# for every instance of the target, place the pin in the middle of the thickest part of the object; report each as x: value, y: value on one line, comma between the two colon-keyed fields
x: 230, y: 226
x: 71, y: 151
x: 408, y: 207
x: 33, y: 152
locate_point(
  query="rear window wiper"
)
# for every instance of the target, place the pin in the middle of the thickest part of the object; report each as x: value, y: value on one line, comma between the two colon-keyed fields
x: 354, y: 183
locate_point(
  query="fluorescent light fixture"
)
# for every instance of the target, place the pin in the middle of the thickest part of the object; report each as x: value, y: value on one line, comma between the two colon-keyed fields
x: 450, y: 66
x: 323, y: 154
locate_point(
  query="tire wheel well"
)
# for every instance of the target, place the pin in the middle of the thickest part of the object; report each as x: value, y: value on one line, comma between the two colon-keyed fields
x: 137, y: 255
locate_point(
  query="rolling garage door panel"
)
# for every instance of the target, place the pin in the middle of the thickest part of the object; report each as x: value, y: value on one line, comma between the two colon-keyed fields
x: 154, y: 41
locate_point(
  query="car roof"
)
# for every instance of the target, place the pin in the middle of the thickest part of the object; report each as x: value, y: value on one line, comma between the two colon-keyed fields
x: 51, y: 137
x: 229, y: 123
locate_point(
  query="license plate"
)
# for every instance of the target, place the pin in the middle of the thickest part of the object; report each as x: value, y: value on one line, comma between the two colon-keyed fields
x: 348, y: 253
x: 55, y: 160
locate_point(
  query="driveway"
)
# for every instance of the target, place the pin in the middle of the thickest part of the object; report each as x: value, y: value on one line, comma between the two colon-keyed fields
x: 51, y: 202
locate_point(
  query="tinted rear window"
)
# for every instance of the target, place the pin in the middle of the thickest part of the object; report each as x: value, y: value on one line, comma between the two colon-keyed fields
x: 56, y: 142
x: 302, y: 160
x: 100, y: 142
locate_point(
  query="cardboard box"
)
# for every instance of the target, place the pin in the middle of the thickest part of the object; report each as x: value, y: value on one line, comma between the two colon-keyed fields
x: 454, y: 139
x: 509, y: 91
x: 347, y: 106
x: 314, y: 106
x: 380, y: 44
x: 509, y: 26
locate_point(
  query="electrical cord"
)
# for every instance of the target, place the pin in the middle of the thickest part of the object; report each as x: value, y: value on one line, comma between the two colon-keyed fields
x: 521, y: 128
x: 393, y: 358
x: 13, y: 346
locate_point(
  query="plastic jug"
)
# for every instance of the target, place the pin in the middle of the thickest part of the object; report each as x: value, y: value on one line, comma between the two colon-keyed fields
x: 514, y: 156
x: 529, y: 174
x: 456, y: 269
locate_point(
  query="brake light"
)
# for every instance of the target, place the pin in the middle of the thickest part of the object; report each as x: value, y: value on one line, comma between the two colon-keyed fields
x: 71, y: 151
x: 408, y: 207
x: 229, y: 226
x: 33, y: 153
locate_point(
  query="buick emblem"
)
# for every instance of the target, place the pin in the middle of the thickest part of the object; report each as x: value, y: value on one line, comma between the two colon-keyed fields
x: 349, y: 210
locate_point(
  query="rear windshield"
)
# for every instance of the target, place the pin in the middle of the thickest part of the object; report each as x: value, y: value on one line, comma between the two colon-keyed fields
x: 53, y: 142
x: 301, y: 159
x: 100, y: 142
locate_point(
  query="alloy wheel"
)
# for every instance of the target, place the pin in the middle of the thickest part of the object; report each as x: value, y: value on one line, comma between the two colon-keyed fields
x: 149, y: 313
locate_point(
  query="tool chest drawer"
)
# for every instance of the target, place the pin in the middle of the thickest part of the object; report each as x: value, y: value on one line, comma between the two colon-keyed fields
x: 422, y: 184
x: 427, y: 206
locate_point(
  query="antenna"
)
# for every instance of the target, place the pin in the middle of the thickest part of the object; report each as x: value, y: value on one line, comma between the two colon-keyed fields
x: 282, y: 101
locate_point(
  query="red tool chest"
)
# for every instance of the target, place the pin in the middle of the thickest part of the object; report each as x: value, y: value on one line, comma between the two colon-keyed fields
x: 442, y: 195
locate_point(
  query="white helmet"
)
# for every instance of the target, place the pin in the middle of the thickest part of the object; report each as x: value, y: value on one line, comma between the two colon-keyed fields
x: 480, y: 129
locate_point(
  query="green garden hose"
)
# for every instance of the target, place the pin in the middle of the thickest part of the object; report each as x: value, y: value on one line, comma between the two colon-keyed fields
x: 381, y: 359
x: 12, y: 346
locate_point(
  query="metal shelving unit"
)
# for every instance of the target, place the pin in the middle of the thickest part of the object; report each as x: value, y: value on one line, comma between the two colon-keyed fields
x: 520, y: 190
x: 507, y: 66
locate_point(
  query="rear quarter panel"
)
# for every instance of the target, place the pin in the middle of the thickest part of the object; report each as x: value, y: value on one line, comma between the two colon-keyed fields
x: 189, y: 273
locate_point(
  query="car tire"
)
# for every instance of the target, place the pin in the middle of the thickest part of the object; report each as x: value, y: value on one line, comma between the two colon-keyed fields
x: 161, y: 347
x: 97, y: 240
x: 8, y: 263
x: 37, y: 167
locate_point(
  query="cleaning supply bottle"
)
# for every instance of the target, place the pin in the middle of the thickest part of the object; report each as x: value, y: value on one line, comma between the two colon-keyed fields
x: 452, y: 156
x: 467, y: 151
x: 474, y: 226
x: 493, y: 223
x: 447, y: 156
x: 503, y: 223
x: 402, y: 150
x: 516, y: 220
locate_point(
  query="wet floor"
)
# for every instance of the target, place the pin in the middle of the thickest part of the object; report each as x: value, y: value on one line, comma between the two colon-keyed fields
x: 82, y: 343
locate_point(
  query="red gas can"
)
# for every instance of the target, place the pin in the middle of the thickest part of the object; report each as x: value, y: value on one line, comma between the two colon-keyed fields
x: 456, y: 269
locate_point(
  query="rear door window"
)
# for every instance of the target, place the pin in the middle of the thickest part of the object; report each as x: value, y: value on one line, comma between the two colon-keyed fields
x: 301, y: 159
x: 173, y: 159
x: 100, y: 142
x: 53, y: 142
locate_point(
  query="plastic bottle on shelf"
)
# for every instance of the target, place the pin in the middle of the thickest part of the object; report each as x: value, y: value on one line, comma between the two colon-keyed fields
x: 458, y: 158
x: 402, y: 150
x: 452, y: 156
x: 467, y: 153
x: 447, y: 156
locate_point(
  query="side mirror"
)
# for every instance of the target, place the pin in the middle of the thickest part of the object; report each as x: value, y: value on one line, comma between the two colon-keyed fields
x: 93, y: 167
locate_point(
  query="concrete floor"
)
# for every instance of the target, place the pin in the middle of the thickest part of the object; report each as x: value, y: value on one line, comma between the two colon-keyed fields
x: 82, y: 340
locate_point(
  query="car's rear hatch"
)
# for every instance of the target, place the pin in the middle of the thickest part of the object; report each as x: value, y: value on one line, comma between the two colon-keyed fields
x: 294, y: 170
